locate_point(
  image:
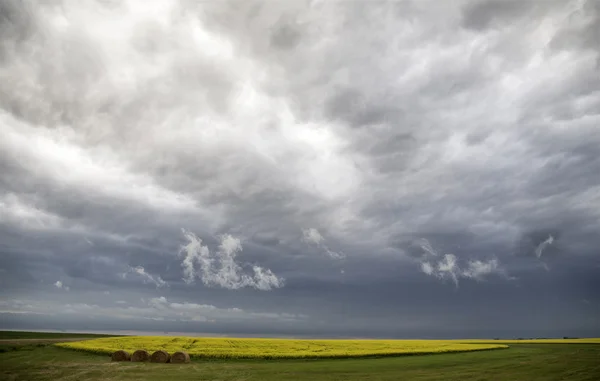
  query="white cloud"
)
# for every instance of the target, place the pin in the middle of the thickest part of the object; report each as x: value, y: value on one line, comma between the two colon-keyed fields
x: 147, y: 278
x: 428, y: 250
x: 335, y: 254
x: 427, y: 268
x: 540, y: 248
x: 314, y: 237
x: 56, y: 155
x: 16, y: 211
x: 221, y: 269
x: 447, y: 267
x: 194, y: 252
x: 59, y: 284
x: 264, y: 279
x: 479, y: 269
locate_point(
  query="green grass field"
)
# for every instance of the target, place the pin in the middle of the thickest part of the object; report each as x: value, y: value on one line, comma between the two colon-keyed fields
x: 20, y: 335
x: 522, y: 361
x: 16, y: 340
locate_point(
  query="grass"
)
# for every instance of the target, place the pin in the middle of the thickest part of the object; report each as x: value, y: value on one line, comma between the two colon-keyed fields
x: 236, y: 348
x: 538, y: 341
x: 21, y: 340
x: 532, y: 362
x: 20, y: 335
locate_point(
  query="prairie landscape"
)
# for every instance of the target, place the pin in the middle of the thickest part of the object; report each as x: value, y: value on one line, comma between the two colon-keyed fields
x: 235, y: 348
x: 300, y: 190
x: 535, y: 360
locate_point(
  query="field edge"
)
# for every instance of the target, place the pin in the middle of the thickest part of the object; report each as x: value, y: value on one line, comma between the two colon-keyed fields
x: 473, y: 347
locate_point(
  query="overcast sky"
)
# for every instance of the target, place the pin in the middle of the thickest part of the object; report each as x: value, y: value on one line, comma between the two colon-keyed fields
x: 308, y: 168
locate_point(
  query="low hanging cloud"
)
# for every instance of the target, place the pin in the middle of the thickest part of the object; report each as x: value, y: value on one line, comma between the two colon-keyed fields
x: 147, y: 278
x: 220, y: 268
x: 479, y: 269
x: 539, y: 250
x: 314, y: 237
x: 155, y: 308
x: 58, y: 284
x: 446, y: 266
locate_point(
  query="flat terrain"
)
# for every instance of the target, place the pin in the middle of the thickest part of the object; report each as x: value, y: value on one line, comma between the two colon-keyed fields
x: 525, y: 361
x: 20, y: 335
x: 16, y: 340
x: 253, y: 348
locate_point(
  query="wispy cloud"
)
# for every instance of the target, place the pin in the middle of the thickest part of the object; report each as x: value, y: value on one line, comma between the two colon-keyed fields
x: 477, y: 269
x: 156, y: 308
x: 314, y: 237
x: 148, y: 278
x: 446, y: 266
x: 539, y: 250
x: 221, y: 268
x: 59, y: 284
x: 15, y: 210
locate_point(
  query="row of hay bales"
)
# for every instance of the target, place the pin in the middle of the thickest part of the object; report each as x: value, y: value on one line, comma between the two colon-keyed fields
x: 158, y: 357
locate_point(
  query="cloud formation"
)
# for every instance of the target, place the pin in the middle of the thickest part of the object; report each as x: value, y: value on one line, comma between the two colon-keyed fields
x: 148, y: 278
x: 307, y: 132
x: 446, y: 266
x: 58, y: 284
x: 221, y: 269
x: 156, y: 308
x: 313, y: 236
x: 540, y: 249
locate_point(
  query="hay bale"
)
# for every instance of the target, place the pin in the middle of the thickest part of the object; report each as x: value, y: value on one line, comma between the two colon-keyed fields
x: 160, y: 356
x: 140, y: 356
x: 180, y: 358
x: 120, y: 356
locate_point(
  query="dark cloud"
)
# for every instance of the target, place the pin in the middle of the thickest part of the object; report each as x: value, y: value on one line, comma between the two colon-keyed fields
x: 285, y: 36
x: 312, y: 148
x: 484, y: 14
x: 584, y: 35
x: 18, y: 22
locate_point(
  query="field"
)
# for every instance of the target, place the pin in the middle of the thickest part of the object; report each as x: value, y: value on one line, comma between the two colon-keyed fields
x: 538, y: 341
x: 223, y: 348
x: 523, y: 360
x: 15, y: 340
x: 21, y: 335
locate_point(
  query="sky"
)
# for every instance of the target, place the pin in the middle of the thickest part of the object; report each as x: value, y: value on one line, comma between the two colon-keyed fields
x: 406, y: 169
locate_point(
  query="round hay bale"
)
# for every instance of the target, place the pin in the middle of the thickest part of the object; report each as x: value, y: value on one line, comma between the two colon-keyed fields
x: 180, y: 358
x: 160, y: 356
x: 120, y: 356
x: 140, y: 356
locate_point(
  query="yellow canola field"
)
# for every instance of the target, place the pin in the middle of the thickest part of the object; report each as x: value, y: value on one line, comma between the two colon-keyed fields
x: 248, y: 348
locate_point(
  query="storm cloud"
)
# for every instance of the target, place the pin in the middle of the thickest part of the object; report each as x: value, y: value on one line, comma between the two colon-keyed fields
x: 301, y: 167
